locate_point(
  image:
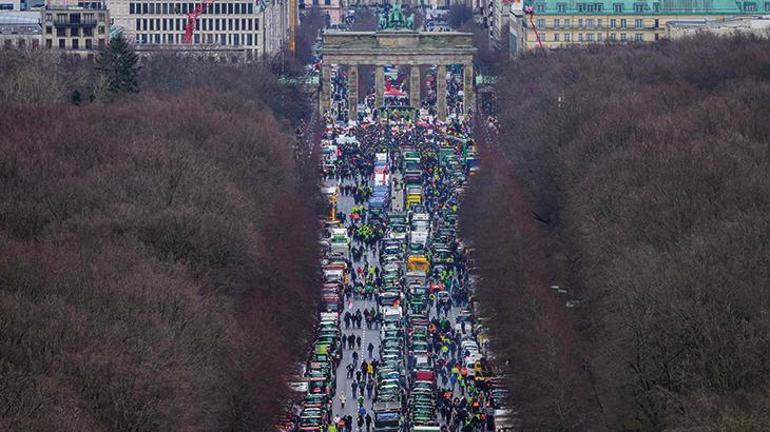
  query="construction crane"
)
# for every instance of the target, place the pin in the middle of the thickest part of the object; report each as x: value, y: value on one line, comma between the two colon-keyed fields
x: 529, y: 10
x: 189, y: 29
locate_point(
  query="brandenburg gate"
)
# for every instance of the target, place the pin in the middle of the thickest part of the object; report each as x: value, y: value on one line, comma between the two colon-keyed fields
x: 394, y: 44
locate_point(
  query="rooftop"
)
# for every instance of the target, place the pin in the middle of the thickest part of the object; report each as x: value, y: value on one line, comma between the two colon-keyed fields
x: 19, y: 18
x: 662, y: 7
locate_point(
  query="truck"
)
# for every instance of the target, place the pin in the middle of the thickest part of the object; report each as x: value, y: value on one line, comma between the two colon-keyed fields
x: 339, y: 242
x: 417, y: 263
x: 413, y: 195
x: 387, y: 416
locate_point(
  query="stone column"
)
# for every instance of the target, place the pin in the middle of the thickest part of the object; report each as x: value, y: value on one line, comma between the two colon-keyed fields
x: 414, y: 87
x: 379, y: 86
x: 469, y: 98
x: 441, y: 92
x: 324, y: 99
x: 353, y: 92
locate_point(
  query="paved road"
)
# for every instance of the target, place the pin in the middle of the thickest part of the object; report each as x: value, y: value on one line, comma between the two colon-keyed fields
x: 345, y: 204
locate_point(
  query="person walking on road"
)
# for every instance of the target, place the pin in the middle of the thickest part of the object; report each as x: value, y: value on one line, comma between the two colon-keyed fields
x: 368, y: 420
x: 342, y: 400
x: 354, y: 387
x: 370, y: 348
x: 358, y: 343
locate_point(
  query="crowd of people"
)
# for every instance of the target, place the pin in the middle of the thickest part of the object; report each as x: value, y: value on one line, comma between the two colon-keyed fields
x: 409, y: 355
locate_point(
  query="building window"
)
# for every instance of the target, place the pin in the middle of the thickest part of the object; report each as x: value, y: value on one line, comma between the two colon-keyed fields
x: 656, y: 7
x: 567, y: 37
x: 590, y: 23
x: 623, y: 23
x: 749, y: 7
x: 101, y: 29
x: 580, y: 37
x: 638, y: 37
x: 101, y: 43
x: 657, y: 23
x: 49, y: 30
x: 599, y: 23
x: 89, y: 44
x: 767, y: 6
x: 556, y: 37
x: 623, y: 36
x: 639, y: 24
x: 131, y: 8
x: 48, y: 43
x: 556, y: 23
x: 617, y: 7
x: 60, y: 32
x: 567, y: 23
x: 540, y: 23
x: 590, y: 37
x: 599, y: 37
x: 328, y: 2
x: 561, y: 8
x: 61, y: 43
x: 88, y: 32
x: 539, y: 7
x: 580, y: 23
x: 599, y: 7
x: 544, y: 37
x: 613, y: 23
x: 639, y: 7
x: 613, y: 36
x: 581, y: 7
x: 35, y: 43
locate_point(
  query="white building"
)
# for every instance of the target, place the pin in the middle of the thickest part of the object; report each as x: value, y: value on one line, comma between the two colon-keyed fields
x: 756, y: 25
x: 516, y: 31
x: 254, y: 28
x: 10, y: 5
x: 498, y: 20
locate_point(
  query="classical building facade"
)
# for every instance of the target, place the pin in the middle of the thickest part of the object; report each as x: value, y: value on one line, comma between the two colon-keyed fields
x: 251, y: 28
x: 557, y: 23
x: 402, y: 47
x: 75, y: 30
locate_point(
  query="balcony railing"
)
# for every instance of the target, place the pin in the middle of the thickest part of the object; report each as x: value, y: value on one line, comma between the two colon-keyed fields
x: 79, y: 24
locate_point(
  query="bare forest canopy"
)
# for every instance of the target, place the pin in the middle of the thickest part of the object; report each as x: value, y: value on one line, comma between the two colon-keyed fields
x: 159, y: 263
x: 636, y: 179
